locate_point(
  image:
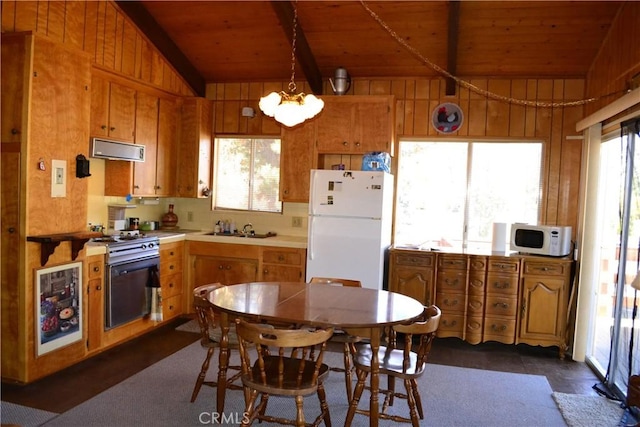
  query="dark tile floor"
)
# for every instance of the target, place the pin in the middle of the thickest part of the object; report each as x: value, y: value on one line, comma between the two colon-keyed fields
x: 82, y: 381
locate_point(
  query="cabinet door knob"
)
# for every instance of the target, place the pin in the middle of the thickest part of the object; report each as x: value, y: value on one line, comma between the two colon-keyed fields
x: 103, y: 127
x: 345, y: 143
x: 112, y: 128
x: 14, y: 131
x: 96, y: 269
x: 220, y: 267
x: 357, y: 144
x: 98, y: 288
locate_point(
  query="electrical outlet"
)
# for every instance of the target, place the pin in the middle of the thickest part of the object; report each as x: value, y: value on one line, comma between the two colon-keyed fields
x: 296, y: 221
x: 190, y: 216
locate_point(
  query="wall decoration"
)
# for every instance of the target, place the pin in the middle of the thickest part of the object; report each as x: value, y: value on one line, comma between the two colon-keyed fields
x: 58, y: 306
x: 447, y: 118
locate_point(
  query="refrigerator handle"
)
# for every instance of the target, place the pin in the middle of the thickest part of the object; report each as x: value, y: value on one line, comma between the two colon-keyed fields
x: 310, y: 239
x: 312, y: 193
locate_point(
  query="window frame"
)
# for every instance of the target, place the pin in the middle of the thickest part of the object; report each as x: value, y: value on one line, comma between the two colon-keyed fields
x: 214, y: 169
x: 542, y: 187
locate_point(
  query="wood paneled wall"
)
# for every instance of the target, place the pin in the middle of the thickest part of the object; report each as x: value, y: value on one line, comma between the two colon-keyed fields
x: 483, y: 118
x: 618, y: 60
x: 101, y: 29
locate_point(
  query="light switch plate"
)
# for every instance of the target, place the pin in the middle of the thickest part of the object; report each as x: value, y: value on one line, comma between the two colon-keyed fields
x: 58, y: 178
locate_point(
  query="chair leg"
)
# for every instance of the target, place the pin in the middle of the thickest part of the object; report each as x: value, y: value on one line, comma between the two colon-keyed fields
x: 324, y: 406
x: 357, y: 393
x: 391, y: 386
x: 416, y: 397
x: 412, y: 404
x: 203, y: 374
x: 299, y: 411
x: 250, y: 412
x: 347, y: 370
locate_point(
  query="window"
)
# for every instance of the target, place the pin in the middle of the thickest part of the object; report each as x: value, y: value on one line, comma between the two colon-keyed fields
x: 247, y: 174
x: 449, y: 194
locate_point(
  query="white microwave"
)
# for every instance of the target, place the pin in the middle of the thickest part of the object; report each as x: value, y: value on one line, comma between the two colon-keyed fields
x: 550, y: 240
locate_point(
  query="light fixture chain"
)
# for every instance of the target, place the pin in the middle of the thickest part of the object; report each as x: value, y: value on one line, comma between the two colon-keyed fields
x: 466, y: 84
x: 292, y: 83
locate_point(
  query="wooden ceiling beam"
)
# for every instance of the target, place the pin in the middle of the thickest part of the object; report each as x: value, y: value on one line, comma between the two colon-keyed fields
x: 285, y: 12
x: 452, y: 45
x: 148, y: 25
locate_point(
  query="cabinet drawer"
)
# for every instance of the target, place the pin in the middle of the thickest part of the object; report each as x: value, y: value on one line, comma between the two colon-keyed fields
x: 171, y: 285
x: 473, y: 330
x: 504, y: 265
x: 477, y: 263
x: 452, y: 262
x: 501, y: 306
x: 476, y: 283
x: 169, y: 268
x: 499, y: 284
x: 546, y: 268
x: 450, y: 302
x: 499, y: 330
x: 96, y: 269
x: 414, y: 260
x: 475, y: 305
x: 172, y: 253
x: 452, y: 281
x: 451, y: 325
x: 282, y: 257
x: 171, y: 307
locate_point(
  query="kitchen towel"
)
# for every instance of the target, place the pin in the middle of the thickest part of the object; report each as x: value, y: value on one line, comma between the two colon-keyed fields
x: 499, y: 239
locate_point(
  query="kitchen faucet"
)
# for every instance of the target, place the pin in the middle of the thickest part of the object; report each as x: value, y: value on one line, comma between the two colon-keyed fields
x: 248, y: 229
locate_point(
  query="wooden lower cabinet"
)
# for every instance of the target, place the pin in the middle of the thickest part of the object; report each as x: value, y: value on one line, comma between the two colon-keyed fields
x: 509, y: 299
x: 501, y: 305
x: 476, y: 289
x: 229, y: 263
x: 95, y: 296
x: 282, y: 264
x: 412, y: 273
x: 171, y: 261
x: 451, y: 294
x: 544, y: 298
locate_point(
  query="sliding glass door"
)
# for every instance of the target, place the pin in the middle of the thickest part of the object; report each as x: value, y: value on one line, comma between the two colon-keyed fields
x: 615, y: 333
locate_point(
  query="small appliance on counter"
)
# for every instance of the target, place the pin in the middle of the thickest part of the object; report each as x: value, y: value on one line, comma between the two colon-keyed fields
x: 549, y: 240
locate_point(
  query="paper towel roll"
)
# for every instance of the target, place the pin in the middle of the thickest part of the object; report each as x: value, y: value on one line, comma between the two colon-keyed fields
x: 499, y: 239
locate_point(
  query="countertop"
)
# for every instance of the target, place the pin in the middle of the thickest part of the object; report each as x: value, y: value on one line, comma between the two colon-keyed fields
x: 166, y: 236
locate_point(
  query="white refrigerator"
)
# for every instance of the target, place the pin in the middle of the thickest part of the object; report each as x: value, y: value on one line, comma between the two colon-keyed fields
x: 350, y: 214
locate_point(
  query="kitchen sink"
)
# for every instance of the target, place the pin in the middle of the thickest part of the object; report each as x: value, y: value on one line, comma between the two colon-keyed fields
x: 247, y: 235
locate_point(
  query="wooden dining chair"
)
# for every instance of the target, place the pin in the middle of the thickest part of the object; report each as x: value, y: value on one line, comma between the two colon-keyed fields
x: 282, y: 362
x: 210, y: 336
x: 348, y: 338
x: 398, y: 362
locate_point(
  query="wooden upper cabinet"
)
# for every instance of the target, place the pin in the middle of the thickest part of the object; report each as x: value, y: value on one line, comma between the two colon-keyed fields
x: 113, y: 108
x: 195, y: 144
x: 296, y: 161
x: 356, y: 125
x: 14, y: 87
x: 144, y: 175
x: 167, y: 147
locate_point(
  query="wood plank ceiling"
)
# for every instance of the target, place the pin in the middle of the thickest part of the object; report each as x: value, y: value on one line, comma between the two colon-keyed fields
x: 243, y: 41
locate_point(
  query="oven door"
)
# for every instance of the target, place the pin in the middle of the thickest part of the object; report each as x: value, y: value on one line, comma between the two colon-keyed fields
x: 127, y: 296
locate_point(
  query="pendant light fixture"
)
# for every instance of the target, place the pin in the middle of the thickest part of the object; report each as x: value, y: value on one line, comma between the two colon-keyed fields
x: 290, y: 108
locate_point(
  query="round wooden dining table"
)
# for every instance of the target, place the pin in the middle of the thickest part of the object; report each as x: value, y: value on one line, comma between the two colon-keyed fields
x: 315, y: 305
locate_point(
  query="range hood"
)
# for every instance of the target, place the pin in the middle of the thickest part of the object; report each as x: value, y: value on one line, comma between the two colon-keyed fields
x: 116, y: 150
